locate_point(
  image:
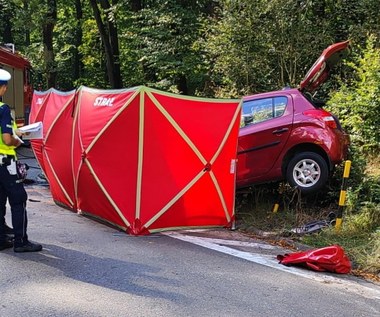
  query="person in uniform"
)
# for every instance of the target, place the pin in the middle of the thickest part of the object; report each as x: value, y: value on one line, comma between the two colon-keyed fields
x: 11, y: 186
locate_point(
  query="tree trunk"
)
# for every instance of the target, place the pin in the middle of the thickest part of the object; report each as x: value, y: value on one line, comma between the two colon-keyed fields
x: 182, y: 85
x: 78, y: 65
x: 27, y: 29
x: 47, y: 36
x: 109, y: 36
x: 6, y: 16
x: 136, y: 5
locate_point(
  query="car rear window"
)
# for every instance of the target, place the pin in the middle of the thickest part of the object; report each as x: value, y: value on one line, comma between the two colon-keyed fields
x: 259, y: 110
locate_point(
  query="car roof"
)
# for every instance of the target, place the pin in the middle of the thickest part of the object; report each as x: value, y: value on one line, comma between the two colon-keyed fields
x: 274, y: 93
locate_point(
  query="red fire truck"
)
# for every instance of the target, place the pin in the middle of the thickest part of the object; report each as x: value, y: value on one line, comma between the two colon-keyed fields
x: 20, y: 92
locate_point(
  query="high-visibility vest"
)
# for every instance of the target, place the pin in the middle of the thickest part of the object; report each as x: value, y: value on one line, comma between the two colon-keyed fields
x: 6, y: 149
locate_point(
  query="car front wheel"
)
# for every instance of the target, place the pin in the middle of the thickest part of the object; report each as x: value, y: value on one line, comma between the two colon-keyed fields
x: 308, y: 171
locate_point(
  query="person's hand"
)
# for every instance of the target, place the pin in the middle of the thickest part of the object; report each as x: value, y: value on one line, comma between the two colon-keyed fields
x: 21, y: 133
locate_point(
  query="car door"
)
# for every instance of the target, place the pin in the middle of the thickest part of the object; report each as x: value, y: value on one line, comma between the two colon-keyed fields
x: 265, y: 128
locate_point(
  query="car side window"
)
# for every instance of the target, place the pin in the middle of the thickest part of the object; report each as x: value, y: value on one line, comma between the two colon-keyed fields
x: 259, y: 110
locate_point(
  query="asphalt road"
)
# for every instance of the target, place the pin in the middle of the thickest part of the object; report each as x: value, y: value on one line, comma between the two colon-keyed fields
x: 89, y: 269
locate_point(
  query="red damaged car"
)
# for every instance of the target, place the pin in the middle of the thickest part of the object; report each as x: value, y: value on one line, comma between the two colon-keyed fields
x: 286, y: 135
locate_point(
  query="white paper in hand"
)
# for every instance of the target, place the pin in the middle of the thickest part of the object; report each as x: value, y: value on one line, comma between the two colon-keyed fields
x: 33, y: 131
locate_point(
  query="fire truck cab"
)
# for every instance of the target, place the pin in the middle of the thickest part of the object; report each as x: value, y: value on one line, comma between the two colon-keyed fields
x: 20, y: 92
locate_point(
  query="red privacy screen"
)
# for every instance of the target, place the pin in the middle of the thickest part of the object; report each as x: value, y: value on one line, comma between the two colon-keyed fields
x: 142, y: 159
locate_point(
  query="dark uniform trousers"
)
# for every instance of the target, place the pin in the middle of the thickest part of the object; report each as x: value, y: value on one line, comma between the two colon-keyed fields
x: 3, y: 201
x: 13, y: 189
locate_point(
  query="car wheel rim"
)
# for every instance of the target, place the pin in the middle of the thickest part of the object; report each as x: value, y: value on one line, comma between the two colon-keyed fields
x: 306, y: 173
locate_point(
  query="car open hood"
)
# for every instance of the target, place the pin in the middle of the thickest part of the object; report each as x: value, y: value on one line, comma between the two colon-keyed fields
x: 320, y: 71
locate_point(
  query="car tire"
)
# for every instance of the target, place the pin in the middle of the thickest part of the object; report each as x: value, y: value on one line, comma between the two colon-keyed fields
x: 307, y: 171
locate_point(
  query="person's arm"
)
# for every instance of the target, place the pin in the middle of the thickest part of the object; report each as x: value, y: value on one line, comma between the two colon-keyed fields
x: 10, y: 140
x: 6, y: 127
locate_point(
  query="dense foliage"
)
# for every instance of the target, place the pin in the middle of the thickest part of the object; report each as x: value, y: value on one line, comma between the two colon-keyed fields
x: 196, y: 47
x: 357, y: 100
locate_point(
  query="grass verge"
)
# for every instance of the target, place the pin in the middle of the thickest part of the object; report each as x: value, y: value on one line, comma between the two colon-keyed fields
x: 359, y: 234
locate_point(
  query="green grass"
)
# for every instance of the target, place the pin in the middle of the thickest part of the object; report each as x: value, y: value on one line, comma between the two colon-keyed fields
x: 359, y: 234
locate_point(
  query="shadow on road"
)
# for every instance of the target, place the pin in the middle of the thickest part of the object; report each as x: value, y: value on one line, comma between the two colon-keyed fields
x: 123, y: 276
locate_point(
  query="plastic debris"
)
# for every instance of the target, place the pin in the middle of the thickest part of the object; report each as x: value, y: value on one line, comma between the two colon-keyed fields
x: 331, y: 259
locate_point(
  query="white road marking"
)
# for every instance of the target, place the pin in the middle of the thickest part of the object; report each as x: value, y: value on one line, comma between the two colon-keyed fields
x: 272, y: 262
x: 240, y: 243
